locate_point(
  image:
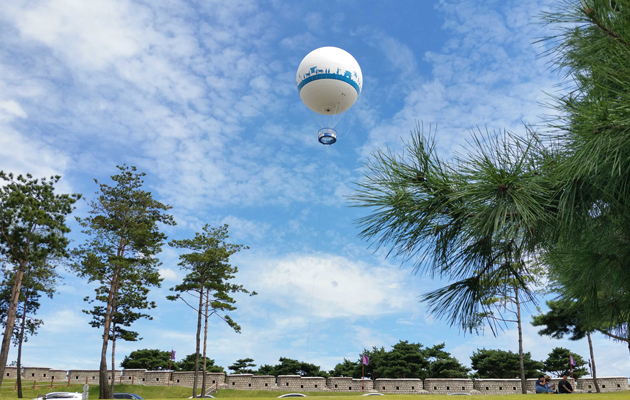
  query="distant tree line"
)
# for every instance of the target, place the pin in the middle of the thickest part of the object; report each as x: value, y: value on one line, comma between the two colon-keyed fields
x: 404, y: 360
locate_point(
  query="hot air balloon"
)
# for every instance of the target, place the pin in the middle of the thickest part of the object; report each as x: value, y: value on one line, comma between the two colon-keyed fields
x: 329, y: 82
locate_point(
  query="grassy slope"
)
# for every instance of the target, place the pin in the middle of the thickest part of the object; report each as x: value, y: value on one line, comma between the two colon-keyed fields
x: 159, y: 392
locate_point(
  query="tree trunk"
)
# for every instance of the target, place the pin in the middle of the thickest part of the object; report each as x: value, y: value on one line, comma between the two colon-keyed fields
x: 104, y: 392
x: 8, y: 330
x: 520, y: 342
x: 205, y: 342
x: 113, y: 357
x: 198, y: 339
x: 21, y: 340
x: 590, y: 346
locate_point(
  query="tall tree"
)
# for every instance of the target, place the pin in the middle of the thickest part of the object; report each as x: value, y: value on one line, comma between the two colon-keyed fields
x: 500, y: 364
x: 591, y: 130
x: 32, y: 230
x: 207, y: 283
x: 41, y: 280
x: 564, y: 319
x: 243, y: 366
x: 504, y: 304
x: 121, y: 251
x: 475, y: 221
x: 558, y: 363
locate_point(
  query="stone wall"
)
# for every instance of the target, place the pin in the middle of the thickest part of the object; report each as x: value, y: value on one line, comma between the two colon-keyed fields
x: 447, y: 385
x: 10, y: 372
x: 239, y: 381
x: 36, y: 374
x: 264, y: 382
x: 289, y: 383
x: 156, y: 378
x: 297, y: 383
x: 608, y: 384
x: 83, y: 375
x: 398, y: 385
x: 498, y: 386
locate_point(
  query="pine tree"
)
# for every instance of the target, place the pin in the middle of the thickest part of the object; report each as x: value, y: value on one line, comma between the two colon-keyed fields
x: 121, y: 251
x: 208, y: 283
x: 591, y: 174
x: 32, y: 232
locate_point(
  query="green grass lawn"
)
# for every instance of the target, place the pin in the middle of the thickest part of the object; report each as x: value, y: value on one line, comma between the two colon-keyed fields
x: 161, y: 392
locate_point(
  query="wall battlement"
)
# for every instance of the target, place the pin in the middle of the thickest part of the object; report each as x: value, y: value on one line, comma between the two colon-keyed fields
x: 297, y: 383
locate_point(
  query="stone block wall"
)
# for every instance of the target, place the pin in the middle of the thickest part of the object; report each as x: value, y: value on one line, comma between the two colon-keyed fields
x: 498, y: 386
x: 80, y: 376
x: 133, y: 376
x: 341, y: 384
x: 312, y: 384
x: 10, y: 372
x: 239, y: 381
x: 156, y: 378
x: 608, y: 384
x: 36, y: 374
x: 264, y: 382
x: 298, y: 383
x: 58, y: 375
x: 448, y: 385
x: 358, y: 384
x: 289, y: 382
x: 398, y: 385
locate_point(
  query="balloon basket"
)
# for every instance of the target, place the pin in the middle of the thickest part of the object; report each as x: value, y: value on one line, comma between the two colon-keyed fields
x: 327, y: 136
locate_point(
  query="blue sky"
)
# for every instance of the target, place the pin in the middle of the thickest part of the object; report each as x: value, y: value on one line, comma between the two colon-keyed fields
x: 201, y: 95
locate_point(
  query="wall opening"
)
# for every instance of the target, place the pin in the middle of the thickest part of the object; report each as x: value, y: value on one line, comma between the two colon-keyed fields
x: 287, y: 383
x: 233, y: 383
x: 486, y: 387
x: 178, y: 381
x: 463, y: 387
x: 316, y: 386
x: 500, y: 388
x: 448, y: 388
x: 413, y: 388
x: 514, y: 388
x: 397, y: 388
x: 266, y: 384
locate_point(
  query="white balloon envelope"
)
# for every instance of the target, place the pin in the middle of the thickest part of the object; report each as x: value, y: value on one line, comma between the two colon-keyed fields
x: 329, y: 82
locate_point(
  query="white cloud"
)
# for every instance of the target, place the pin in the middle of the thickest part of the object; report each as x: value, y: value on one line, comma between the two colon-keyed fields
x: 338, y: 287
x: 168, y: 274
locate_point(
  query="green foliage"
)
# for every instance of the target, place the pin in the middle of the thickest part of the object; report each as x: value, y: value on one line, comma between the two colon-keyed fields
x: 405, y: 360
x: 558, y: 364
x: 288, y: 366
x: 473, y: 221
x: 121, y: 255
x: 243, y: 366
x: 443, y: 365
x: 500, y: 364
x: 188, y: 364
x: 347, y: 368
x: 209, y: 272
x: 592, y: 172
x: 32, y: 235
x: 561, y: 319
x: 149, y: 359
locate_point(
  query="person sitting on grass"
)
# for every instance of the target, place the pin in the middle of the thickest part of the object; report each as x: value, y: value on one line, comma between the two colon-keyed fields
x: 541, y: 385
x: 565, y: 386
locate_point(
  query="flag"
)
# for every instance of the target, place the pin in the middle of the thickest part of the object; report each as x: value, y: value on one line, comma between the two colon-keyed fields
x: 172, y: 355
x: 365, y: 359
x: 571, y: 360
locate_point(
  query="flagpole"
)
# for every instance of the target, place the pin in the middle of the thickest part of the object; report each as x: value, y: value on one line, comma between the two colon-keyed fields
x: 362, y: 375
x: 570, y: 363
x: 170, y: 361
